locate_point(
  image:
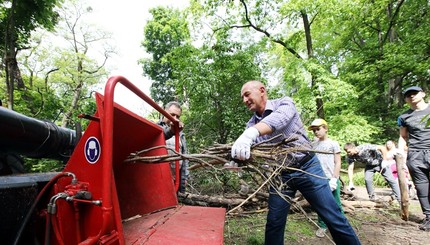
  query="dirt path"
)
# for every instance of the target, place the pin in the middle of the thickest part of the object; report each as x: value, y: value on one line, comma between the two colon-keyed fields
x: 384, y: 225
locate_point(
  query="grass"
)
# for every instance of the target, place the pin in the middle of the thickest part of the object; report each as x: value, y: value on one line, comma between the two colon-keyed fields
x: 378, y: 179
x: 249, y: 230
x: 299, y: 227
x: 245, y: 230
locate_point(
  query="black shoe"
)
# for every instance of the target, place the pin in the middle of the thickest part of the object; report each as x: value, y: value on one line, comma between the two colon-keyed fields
x: 425, y: 226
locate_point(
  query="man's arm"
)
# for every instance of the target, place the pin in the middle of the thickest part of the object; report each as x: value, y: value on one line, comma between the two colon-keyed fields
x: 263, y: 128
x: 241, y: 148
x: 351, y: 174
x: 169, y: 129
x: 337, y: 163
x: 404, y: 136
x: 383, y: 151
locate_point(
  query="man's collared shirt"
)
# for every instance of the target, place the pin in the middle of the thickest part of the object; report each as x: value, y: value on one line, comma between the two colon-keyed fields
x: 283, y: 118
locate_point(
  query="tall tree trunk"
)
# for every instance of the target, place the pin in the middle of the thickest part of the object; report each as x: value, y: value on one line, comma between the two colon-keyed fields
x: 9, y: 43
x: 319, y: 102
x: 394, y: 85
x: 13, y: 74
x: 76, y: 95
x: 73, y: 106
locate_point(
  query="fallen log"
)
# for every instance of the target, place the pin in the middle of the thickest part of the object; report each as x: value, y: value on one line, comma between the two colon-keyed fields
x: 364, y: 204
x: 219, y: 201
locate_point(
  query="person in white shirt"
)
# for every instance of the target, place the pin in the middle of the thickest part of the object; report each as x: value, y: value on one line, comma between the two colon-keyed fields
x: 330, y: 163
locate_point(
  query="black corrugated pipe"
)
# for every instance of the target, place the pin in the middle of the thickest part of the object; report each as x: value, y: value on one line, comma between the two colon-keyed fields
x: 34, y: 138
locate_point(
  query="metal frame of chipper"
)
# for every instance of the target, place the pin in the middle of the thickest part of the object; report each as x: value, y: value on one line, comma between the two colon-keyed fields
x: 100, y: 199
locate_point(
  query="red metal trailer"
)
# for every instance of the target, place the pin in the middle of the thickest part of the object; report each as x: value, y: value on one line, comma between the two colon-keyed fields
x: 100, y: 199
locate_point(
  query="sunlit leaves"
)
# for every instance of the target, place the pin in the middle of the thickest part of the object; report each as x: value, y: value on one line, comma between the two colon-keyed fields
x: 166, y: 31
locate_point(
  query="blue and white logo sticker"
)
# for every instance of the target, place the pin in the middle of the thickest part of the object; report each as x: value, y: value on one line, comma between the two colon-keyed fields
x: 92, y: 150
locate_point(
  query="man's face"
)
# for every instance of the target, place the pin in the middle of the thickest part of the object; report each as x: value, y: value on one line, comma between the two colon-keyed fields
x: 413, y: 97
x: 319, y: 131
x: 252, y: 96
x: 351, y: 152
x: 174, y: 111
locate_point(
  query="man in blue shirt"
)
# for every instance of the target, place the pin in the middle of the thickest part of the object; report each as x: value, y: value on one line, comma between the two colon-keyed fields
x: 280, y: 116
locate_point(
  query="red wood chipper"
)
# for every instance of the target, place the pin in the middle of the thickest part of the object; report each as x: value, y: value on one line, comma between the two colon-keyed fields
x: 100, y: 199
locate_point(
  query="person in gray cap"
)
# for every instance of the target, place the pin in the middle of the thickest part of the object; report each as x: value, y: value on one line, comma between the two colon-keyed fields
x: 415, y: 133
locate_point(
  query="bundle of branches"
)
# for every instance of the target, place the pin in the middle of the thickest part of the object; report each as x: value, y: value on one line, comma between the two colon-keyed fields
x: 267, y: 161
x: 265, y: 156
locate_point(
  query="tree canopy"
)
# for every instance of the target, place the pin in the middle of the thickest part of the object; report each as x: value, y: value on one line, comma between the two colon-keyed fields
x: 344, y: 61
x: 17, y: 20
x: 163, y: 33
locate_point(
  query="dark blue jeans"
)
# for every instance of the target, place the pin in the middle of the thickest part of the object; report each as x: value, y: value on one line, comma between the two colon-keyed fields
x: 317, y: 192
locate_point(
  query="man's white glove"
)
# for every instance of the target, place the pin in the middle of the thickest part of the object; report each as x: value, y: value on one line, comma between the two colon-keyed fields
x: 241, y: 148
x: 384, y: 164
x: 333, y: 184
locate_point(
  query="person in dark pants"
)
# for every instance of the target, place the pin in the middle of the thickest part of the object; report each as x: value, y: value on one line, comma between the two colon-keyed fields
x: 280, y: 116
x: 175, y: 110
x: 375, y: 158
x: 415, y: 134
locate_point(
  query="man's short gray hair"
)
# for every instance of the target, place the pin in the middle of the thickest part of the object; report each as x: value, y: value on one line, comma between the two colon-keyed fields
x: 173, y: 103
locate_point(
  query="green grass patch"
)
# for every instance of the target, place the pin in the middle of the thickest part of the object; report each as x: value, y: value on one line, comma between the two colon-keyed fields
x: 378, y: 179
x: 249, y: 230
x: 298, y: 228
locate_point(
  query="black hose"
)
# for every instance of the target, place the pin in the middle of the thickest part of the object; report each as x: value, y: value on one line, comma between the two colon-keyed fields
x: 33, y: 206
x: 48, y: 229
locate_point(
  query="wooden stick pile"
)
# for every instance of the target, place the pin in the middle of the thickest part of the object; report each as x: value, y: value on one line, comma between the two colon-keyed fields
x: 263, y: 155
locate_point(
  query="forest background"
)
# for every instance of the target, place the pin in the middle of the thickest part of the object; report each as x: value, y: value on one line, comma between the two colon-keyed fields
x: 345, y: 61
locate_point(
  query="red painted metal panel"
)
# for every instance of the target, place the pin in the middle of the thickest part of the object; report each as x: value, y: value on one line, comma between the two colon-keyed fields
x: 73, y: 229
x: 136, y: 188
x: 142, y: 188
x: 120, y: 190
x: 182, y: 225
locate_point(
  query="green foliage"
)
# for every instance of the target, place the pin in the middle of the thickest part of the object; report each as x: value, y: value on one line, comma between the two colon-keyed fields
x: 208, y: 182
x: 42, y: 165
x: 357, y: 59
x: 37, y: 101
x: 382, y: 56
x: 352, y: 128
x: 211, y: 182
x: 378, y: 179
x: 17, y: 21
x: 210, y: 80
x: 28, y: 15
x: 57, y: 81
x: 166, y: 31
